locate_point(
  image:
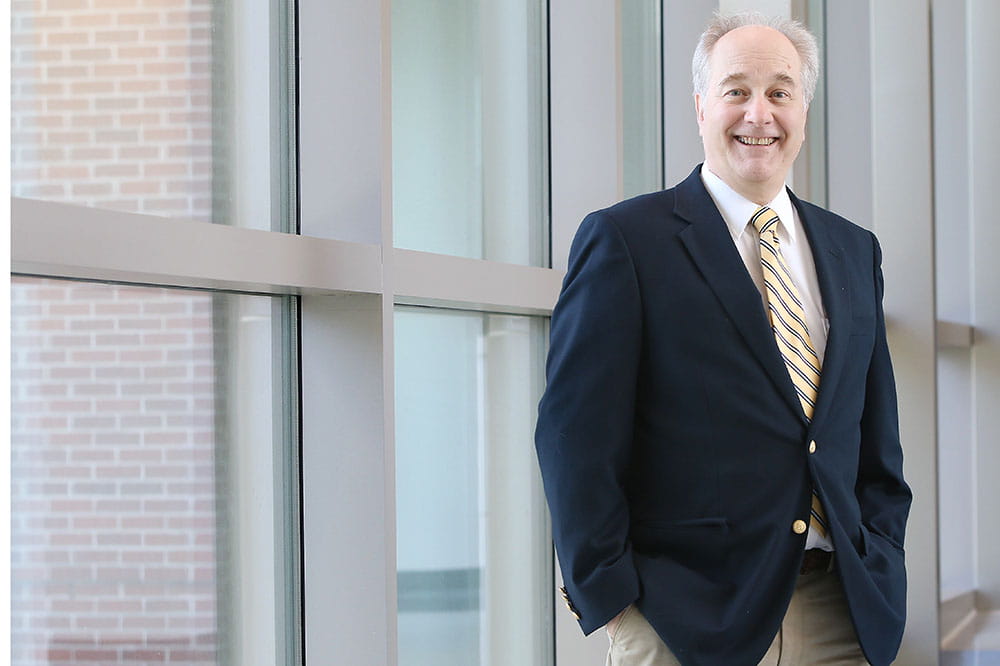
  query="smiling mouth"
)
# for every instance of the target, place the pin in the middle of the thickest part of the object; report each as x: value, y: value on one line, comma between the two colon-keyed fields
x: 756, y: 140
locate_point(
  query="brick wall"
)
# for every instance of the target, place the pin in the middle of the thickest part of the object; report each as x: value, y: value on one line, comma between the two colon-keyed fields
x: 113, y: 474
x: 112, y: 103
x: 114, y: 389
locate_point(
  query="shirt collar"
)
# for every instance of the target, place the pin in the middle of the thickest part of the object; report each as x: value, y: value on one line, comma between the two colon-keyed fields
x: 737, y: 210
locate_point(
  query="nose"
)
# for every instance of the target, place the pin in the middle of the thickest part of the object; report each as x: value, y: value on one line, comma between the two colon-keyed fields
x: 758, y: 110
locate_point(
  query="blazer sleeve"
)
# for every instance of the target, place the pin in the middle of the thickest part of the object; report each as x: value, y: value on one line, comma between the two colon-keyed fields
x: 586, y: 419
x: 883, y: 495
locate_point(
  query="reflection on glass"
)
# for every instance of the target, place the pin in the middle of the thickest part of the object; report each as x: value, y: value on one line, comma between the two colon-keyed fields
x: 143, y: 476
x: 642, y: 89
x: 151, y: 108
x: 468, y: 142
x: 473, y: 547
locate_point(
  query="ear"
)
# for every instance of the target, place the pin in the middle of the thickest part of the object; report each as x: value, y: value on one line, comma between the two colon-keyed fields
x: 699, y: 110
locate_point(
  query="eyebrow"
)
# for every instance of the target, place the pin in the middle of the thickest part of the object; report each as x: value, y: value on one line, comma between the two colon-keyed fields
x: 780, y: 77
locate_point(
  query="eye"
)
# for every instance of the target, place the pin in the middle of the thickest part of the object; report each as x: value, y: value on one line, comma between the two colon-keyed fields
x: 735, y: 92
x: 781, y: 94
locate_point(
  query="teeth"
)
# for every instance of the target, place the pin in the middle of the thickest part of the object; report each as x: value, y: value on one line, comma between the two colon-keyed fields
x: 756, y: 140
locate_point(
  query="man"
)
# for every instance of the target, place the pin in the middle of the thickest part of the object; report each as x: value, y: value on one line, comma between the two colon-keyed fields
x: 718, y: 438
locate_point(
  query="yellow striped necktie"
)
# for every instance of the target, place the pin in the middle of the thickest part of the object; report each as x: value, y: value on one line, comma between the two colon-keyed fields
x: 788, y: 322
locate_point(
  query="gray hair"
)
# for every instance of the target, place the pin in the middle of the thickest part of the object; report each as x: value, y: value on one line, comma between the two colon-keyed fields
x: 800, y: 37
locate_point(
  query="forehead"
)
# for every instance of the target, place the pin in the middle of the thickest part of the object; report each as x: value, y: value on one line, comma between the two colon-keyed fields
x: 754, y: 52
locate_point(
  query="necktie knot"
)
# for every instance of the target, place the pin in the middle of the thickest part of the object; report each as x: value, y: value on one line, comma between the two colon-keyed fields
x: 764, y: 219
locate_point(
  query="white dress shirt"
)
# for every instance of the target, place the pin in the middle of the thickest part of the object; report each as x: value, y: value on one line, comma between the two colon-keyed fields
x: 737, y: 210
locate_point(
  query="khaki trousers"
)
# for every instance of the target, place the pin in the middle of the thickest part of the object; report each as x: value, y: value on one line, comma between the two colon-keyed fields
x: 816, y: 629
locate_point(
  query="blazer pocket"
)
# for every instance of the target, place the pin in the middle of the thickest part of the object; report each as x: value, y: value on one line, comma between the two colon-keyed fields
x: 697, y: 543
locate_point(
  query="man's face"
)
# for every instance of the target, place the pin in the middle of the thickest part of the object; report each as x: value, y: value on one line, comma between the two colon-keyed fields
x: 752, y: 117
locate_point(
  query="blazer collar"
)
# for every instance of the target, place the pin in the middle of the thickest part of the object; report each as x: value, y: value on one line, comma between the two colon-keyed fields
x: 711, y: 247
x: 832, y: 275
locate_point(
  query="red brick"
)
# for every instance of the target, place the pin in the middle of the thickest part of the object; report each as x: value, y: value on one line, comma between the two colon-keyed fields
x: 92, y: 87
x: 66, y: 71
x: 139, y: 152
x: 72, y: 605
x: 49, y: 622
x: 130, y: 52
x: 92, y: 455
x: 95, y: 655
x: 117, y: 104
x: 112, y: 36
x: 138, y: 18
x: 130, y: 574
x: 140, y: 455
x: 92, y: 324
x: 92, y: 120
x: 145, y: 655
x: 62, y: 5
x: 167, y: 606
x: 141, y: 86
x: 142, y: 622
x: 193, y: 656
x: 142, y: 389
x: 119, y: 472
x: 164, y: 102
x: 114, y: 170
x: 91, y: 189
x: 164, y: 339
x: 160, y: 438
x: 172, y: 640
x: 117, y: 372
x: 67, y: 38
x: 119, y: 506
x: 80, y: 389
x: 70, y: 438
x: 140, y: 187
x: 74, y: 640
x: 90, y: 19
x: 117, y: 136
x: 164, y: 68
x: 119, y: 540
x: 142, y: 557
x: 89, y: 54
x: 172, y: 134
x: 157, y: 540
x: 96, y: 356
x: 94, y: 556
x: 143, y: 523
x: 72, y: 505
x: 140, y: 119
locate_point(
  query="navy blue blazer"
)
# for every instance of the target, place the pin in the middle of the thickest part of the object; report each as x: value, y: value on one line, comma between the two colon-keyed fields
x: 675, y: 454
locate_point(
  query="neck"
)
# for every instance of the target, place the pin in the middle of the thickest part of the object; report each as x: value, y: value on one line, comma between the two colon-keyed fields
x: 759, y: 193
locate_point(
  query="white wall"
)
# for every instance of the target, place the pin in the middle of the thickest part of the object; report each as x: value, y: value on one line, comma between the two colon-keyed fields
x: 984, y: 141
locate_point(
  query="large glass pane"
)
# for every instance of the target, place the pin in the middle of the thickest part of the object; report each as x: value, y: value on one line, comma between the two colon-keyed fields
x: 642, y: 96
x: 150, y: 462
x: 468, y: 128
x: 153, y: 107
x: 473, y: 545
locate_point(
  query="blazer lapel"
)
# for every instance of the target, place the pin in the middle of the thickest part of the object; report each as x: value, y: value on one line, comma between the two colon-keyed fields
x: 712, y: 249
x: 831, y: 272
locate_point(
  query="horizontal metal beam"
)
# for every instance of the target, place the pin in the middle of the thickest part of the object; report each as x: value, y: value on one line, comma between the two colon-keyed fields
x: 953, y: 335
x: 66, y: 240
x: 423, y: 278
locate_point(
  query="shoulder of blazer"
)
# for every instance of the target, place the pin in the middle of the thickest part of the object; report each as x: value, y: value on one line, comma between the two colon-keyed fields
x: 836, y: 230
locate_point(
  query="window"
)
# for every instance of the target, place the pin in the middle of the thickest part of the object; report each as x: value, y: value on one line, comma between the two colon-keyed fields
x: 468, y: 137
x: 473, y: 556
x: 642, y: 96
x: 295, y: 399
x: 149, y: 467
